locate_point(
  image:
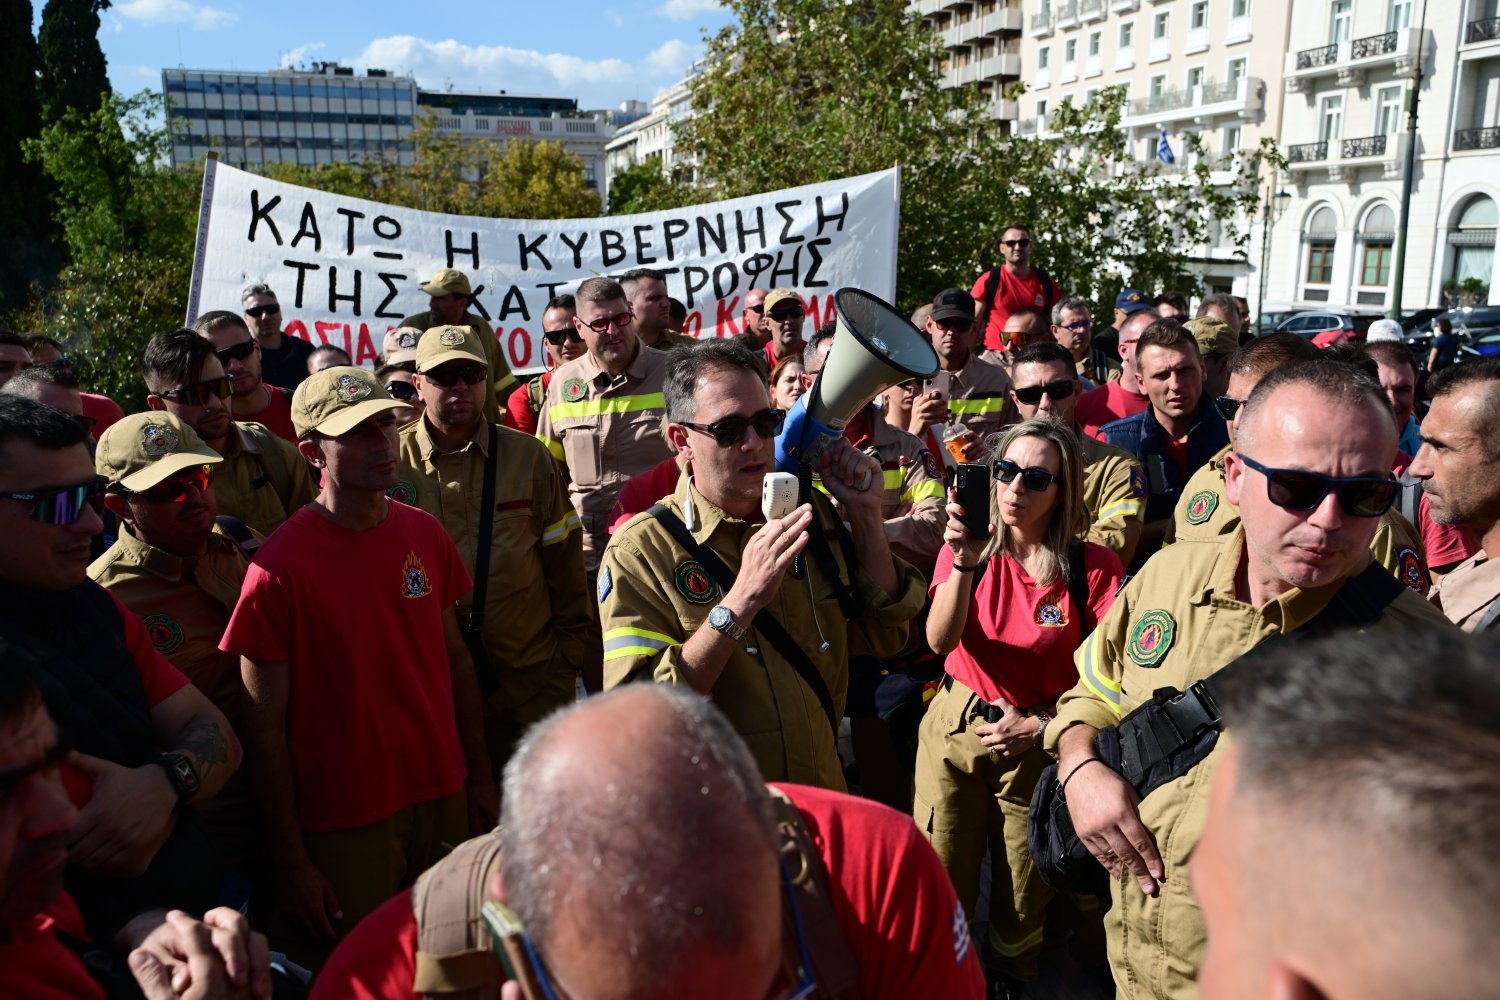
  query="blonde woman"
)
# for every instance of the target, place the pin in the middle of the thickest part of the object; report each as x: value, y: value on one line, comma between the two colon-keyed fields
x: 1008, y: 611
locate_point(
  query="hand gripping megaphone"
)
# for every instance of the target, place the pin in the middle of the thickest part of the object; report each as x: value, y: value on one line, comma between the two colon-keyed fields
x: 874, y: 348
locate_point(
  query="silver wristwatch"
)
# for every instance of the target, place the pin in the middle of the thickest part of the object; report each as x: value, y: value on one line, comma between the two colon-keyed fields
x: 721, y: 619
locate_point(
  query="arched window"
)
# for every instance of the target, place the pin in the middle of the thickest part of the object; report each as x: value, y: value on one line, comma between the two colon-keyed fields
x: 1473, y: 249
x: 1377, y: 235
x: 1320, y: 236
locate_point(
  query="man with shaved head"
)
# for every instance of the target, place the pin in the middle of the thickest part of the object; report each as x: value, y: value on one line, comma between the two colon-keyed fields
x: 1310, y: 473
x: 644, y: 858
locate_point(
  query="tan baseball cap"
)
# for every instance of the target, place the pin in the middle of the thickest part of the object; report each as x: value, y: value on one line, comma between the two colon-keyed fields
x: 442, y: 344
x: 400, y: 345
x: 338, y: 399
x: 777, y: 296
x: 448, y: 281
x: 141, y: 450
x: 1213, y: 336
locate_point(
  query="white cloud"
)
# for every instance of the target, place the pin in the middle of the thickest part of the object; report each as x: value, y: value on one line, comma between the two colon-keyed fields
x: 594, y: 82
x: 173, y: 12
x: 686, y: 10
x: 298, y: 56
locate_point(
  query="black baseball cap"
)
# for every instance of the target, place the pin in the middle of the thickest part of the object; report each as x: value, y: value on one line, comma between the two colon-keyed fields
x: 953, y: 303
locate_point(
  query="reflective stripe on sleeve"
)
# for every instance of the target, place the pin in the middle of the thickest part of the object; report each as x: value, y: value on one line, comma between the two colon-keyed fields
x: 622, y: 642
x: 977, y: 404
x: 613, y: 404
x: 1107, y: 690
x: 506, y: 384
x: 555, y: 447
x: 560, y: 530
x: 923, y: 490
x: 1120, y: 508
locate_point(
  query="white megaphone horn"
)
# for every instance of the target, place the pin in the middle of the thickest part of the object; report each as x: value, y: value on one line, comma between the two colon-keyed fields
x: 874, y: 348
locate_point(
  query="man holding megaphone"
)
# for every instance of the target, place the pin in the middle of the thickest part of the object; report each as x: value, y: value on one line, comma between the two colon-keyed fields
x: 701, y: 589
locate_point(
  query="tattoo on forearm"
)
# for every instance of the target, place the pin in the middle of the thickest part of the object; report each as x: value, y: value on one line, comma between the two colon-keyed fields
x: 205, y: 743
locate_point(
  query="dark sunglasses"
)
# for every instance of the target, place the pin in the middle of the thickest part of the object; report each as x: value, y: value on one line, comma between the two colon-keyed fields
x: 1060, y: 388
x: 198, y: 393
x: 1015, y: 244
x: 239, y: 352
x: 559, y: 337
x: 731, y: 431
x: 259, y: 311
x: 783, y: 315
x: 1297, y: 489
x: 1034, y: 479
x: 449, y: 377
x: 1228, y: 406
x: 175, y: 488
x: 402, y: 390
x: 63, y: 505
x: 619, y: 321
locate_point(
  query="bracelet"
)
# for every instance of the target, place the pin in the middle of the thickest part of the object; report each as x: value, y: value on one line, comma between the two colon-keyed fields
x: 1064, y: 786
x: 963, y: 569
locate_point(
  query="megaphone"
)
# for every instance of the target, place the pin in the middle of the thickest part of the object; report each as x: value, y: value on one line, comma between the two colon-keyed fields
x: 874, y: 348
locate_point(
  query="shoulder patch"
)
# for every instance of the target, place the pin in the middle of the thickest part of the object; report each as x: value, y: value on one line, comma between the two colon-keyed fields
x: 606, y: 584
x: 1138, y: 481
x: 1151, y: 637
x: 403, y: 492
x: 1201, y: 506
x: 694, y: 583
x: 574, y: 389
x: 164, y: 633
x: 1412, y: 572
x: 961, y: 939
x: 930, y: 463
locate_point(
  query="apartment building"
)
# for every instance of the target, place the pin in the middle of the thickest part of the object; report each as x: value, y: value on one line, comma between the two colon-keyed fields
x: 981, y: 42
x: 1345, y: 135
x: 652, y: 136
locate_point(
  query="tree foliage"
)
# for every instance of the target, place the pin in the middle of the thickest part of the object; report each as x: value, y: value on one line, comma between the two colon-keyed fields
x: 74, y: 72
x: 802, y: 91
x: 644, y: 187
x: 28, y: 253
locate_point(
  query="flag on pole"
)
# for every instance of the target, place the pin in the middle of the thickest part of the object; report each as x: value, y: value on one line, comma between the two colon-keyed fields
x: 1164, y: 148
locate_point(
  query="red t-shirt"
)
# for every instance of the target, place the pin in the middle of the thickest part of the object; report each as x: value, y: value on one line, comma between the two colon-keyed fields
x: 358, y: 615
x: 891, y: 897
x: 1014, y: 294
x: 643, y: 490
x: 1446, y: 545
x: 518, y: 411
x: 277, y: 415
x: 102, y: 410
x: 35, y: 965
x: 1018, y: 639
x: 1108, y: 402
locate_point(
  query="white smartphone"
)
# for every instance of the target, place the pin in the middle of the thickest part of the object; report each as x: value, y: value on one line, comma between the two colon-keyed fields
x: 940, y: 383
x: 778, y: 495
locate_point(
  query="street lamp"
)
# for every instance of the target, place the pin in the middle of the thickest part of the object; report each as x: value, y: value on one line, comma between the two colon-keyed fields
x: 1276, y: 206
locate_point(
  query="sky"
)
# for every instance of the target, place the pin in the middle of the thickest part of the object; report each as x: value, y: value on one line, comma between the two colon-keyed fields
x: 601, y: 53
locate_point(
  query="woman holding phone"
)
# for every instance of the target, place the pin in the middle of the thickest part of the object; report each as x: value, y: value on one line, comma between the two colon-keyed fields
x: 1009, y: 608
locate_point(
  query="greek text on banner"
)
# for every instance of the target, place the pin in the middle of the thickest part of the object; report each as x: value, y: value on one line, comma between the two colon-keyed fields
x: 347, y: 270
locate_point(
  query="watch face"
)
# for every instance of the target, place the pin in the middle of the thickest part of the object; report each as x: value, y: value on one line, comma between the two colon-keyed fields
x: 719, y: 617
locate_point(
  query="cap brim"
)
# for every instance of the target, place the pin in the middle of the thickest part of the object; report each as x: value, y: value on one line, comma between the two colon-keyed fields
x: 451, y: 354
x: 168, y: 466
x: 942, y: 314
x: 349, y: 417
x: 400, y: 357
x: 1133, y: 307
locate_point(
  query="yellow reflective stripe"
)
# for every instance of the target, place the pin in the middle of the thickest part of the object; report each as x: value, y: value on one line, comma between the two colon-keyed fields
x: 559, y: 530
x: 923, y: 490
x: 968, y: 407
x: 1121, y: 508
x: 1107, y: 690
x: 555, y: 446
x: 1009, y: 949
x: 892, y: 478
x: 613, y: 404
x: 622, y: 642
x: 505, y: 384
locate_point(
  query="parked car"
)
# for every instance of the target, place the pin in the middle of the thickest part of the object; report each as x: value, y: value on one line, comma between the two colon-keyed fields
x: 1325, y: 328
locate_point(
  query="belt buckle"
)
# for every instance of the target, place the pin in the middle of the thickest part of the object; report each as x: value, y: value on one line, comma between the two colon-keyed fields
x: 1206, y: 699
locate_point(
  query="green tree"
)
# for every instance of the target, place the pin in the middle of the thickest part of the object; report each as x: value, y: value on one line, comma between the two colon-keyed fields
x: 28, y: 253
x: 643, y: 187
x: 802, y: 91
x: 537, y: 180
x: 74, y: 72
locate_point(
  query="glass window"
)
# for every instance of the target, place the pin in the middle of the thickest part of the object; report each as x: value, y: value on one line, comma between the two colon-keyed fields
x: 1388, y: 111
x: 1239, y: 8
x: 1161, y: 25
x: 1070, y: 50
x: 1043, y: 56
x: 1339, y: 18
x: 1158, y: 85
x: 1399, y: 16
x: 1195, y: 77
x: 1319, y: 263
x: 1127, y: 35
x: 1095, y: 43
x: 1198, y: 19
x: 1331, y: 118
x: 1232, y: 139
x: 1376, y: 270
x: 1236, y: 71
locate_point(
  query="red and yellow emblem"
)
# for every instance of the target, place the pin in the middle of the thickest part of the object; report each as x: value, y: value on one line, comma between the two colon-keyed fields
x: 1151, y: 638
x: 414, y: 581
x: 694, y: 583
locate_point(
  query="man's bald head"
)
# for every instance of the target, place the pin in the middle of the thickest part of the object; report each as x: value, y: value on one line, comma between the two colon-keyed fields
x: 1334, y: 382
x: 638, y: 832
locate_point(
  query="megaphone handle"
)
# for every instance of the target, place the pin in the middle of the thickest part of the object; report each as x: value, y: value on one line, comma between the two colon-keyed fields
x: 864, y: 481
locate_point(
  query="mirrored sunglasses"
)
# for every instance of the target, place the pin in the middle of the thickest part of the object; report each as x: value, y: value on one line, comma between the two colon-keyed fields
x: 731, y: 431
x: 63, y: 505
x: 1298, y: 489
x: 177, y: 487
x: 619, y: 321
x: 402, y: 390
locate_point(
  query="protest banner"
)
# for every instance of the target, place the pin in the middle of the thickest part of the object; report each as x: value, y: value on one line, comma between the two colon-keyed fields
x: 346, y: 270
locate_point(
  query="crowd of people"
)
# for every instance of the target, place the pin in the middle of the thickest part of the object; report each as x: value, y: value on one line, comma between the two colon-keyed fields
x: 327, y: 681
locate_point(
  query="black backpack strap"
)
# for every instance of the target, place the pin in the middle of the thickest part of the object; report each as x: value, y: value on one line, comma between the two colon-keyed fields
x: 765, y: 623
x: 1078, y: 585
x: 241, y: 533
x: 817, y: 543
x: 473, y: 624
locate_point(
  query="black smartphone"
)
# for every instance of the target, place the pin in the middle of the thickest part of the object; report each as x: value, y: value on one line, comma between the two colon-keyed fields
x: 971, y: 481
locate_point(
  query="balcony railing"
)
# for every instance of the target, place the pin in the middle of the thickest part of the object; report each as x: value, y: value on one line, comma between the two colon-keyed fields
x: 1486, y: 30
x: 1067, y: 12
x: 1042, y: 21
x: 1167, y: 100
x: 1373, y: 145
x: 1477, y: 138
x: 1090, y: 8
x: 1375, y: 45
x: 1215, y: 93
x: 1325, y: 55
x: 1308, y: 152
